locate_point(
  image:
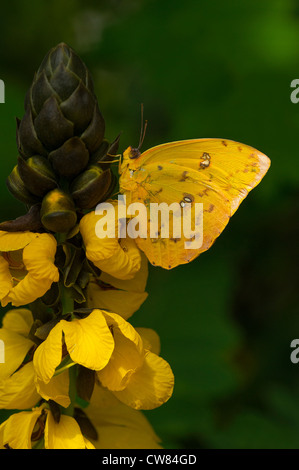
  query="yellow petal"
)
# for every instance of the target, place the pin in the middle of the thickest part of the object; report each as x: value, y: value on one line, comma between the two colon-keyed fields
x: 15, y: 349
x: 17, y: 429
x: 121, y: 259
x: 150, y: 338
x: 120, y: 301
x: 6, y: 282
x: 29, y: 289
x: 95, y: 249
x: 150, y: 386
x: 89, y: 343
x: 48, y: 354
x: 119, y: 426
x: 18, y: 391
x: 126, y: 329
x: 63, y: 435
x: 89, y: 340
x: 136, y: 284
x: 124, y: 362
x: 57, y: 389
x: 127, y: 356
x: 125, y: 262
x: 39, y: 256
x: 11, y: 241
x: 18, y: 320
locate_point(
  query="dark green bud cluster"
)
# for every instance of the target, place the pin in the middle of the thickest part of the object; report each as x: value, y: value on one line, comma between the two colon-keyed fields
x: 63, y: 162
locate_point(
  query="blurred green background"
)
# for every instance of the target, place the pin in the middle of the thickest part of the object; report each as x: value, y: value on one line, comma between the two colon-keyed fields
x: 202, y: 69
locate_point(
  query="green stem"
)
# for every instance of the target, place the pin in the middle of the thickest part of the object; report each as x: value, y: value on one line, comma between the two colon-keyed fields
x: 67, y: 301
x: 68, y: 307
x: 40, y: 444
x: 60, y: 237
x: 64, y: 365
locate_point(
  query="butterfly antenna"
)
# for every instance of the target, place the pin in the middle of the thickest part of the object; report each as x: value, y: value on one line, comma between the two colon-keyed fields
x: 142, y: 139
x: 141, y: 126
x: 142, y: 129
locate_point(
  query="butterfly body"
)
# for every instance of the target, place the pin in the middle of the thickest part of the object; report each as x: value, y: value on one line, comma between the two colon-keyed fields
x: 218, y: 173
x: 132, y: 176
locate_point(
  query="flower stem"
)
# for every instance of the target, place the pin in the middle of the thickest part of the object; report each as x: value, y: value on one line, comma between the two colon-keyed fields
x: 68, y: 307
x: 67, y: 301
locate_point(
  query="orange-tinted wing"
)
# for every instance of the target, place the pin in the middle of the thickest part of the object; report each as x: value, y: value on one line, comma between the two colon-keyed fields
x: 215, y: 172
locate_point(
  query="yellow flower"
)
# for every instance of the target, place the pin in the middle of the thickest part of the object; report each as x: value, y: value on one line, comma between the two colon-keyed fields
x: 18, y: 392
x: 19, y: 388
x: 27, y: 268
x: 14, y: 334
x: 137, y: 376
x: 116, y: 295
x: 105, y: 342
x: 118, y: 426
x: 57, y: 389
x: 115, y: 426
x: 64, y: 435
x: 118, y: 257
x: 88, y: 341
x: 25, y: 429
x: 17, y: 430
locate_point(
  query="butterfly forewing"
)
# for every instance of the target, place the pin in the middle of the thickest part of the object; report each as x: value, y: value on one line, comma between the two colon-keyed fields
x: 214, y: 172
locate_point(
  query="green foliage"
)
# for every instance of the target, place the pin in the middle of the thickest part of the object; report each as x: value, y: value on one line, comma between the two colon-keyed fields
x: 202, y: 69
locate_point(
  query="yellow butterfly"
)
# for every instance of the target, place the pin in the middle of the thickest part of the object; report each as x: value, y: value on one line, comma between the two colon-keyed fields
x: 218, y: 173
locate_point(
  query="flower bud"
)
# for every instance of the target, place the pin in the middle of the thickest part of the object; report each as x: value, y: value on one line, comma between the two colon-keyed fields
x: 71, y: 158
x: 59, y: 105
x: 58, y: 212
x: 37, y: 175
x: 91, y: 186
x: 27, y: 141
x: 18, y: 189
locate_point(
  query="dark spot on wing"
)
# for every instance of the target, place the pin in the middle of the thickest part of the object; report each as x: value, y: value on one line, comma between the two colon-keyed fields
x: 159, y: 191
x: 204, y: 193
x: 184, y: 176
x: 188, y: 197
x: 205, y: 161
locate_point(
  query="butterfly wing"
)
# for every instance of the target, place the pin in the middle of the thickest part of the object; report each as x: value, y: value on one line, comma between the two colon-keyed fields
x: 215, y: 172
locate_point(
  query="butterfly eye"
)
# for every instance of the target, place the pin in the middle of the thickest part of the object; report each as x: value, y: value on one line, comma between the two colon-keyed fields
x: 135, y: 153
